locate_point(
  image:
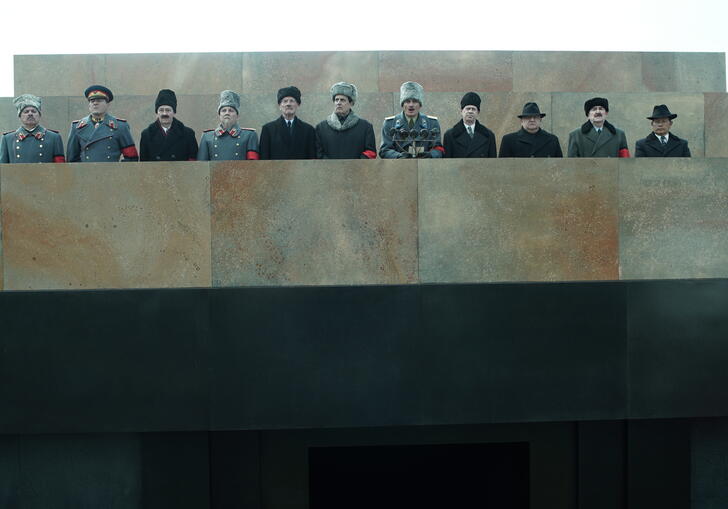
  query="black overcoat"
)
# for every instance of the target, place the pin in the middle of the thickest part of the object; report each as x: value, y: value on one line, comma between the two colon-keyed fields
x: 177, y: 144
x: 523, y: 144
x: 458, y: 143
x: 651, y: 147
x: 277, y: 143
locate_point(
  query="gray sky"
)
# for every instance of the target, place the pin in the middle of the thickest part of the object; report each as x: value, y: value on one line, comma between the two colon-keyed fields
x: 136, y: 26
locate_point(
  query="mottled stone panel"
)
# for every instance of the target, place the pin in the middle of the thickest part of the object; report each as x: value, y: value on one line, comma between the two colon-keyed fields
x: 518, y: 220
x: 309, y: 71
x: 133, y: 225
x: 185, y: 73
x: 673, y: 218
x: 314, y: 222
x: 578, y: 71
x: 683, y: 72
x: 58, y: 75
x: 716, y: 130
x: 628, y: 111
x: 446, y: 71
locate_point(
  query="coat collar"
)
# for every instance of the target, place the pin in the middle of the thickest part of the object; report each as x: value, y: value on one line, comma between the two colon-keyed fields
x: 234, y: 131
x: 108, y: 120
x: 459, y: 128
x: 587, y: 126
x: 349, y: 122
x: 37, y: 133
x: 422, y: 121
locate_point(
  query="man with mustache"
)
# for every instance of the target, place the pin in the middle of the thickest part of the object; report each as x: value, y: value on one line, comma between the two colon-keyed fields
x: 100, y: 137
x: 31, y: 142
x: 410, y: 134
x: 288, y: 137
x: 167, y: 139
x: 228, y: 141
x: 343, y: 135
x: 597, y: 137
x: 531, y: 140
x: 469, y: 138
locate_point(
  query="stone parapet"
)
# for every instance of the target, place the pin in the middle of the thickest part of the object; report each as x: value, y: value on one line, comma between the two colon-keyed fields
x: 280, y: 223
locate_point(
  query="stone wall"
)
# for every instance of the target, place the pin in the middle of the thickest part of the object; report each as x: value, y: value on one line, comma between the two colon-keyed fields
x: 137, y: 225
x: 692, y: 84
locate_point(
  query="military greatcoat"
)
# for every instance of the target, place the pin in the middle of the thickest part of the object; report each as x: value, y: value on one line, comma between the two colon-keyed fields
x: 392, y: 147
x: 101, y: 142
x: 40, y: 145
x: 237, y: 143
x: 585, y: 142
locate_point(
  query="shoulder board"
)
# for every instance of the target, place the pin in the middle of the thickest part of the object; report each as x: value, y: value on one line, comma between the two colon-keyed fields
x: 52, y: 130
x: 208, y: 130
x: 121, y: 119
x: 390, y: 118
x: 76, y: 121
x: 430, y: 116
x: 8, y: 132
x: 247, y: 128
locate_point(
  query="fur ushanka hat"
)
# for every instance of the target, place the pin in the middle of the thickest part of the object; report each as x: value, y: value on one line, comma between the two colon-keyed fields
x: 411, y: 90
x: 343, y: 88
x: 229, y: 98
x: 23, y: 101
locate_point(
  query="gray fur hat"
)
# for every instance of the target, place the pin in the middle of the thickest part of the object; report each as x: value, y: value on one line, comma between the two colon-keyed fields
x: 344, y: 88
x: 23, y: 101
x: 411, y: 90
x: 229, y: 98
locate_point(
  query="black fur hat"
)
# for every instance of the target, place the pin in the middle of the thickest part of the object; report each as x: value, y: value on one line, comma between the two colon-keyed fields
x: 289, y: 92
x: 595, y: 101
x: 166, y: 97
x: 470, y: 99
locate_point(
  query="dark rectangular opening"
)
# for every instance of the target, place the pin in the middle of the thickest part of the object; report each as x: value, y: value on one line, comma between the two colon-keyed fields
x: 444, y: 475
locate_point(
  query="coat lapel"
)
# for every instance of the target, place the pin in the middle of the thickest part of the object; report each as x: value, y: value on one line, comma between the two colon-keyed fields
x: 600, y: 140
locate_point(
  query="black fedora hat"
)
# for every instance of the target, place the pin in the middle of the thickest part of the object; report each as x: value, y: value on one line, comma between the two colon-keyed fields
x: 661, y: 111
x: 531, y: 110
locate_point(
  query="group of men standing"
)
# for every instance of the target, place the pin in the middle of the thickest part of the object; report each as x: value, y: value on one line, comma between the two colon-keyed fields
x: 101, y: 137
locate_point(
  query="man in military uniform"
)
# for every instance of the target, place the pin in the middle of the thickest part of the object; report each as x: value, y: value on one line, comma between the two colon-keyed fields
x: 661, y: 142
x: 228, y: 141
x: 167, y: 139
x: 31, y: 142
x: 531, y: 140
x: 411, y: 134
x: 99, y: 137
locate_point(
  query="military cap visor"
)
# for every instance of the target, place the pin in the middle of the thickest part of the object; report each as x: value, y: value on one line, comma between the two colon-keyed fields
x: 98, y: 92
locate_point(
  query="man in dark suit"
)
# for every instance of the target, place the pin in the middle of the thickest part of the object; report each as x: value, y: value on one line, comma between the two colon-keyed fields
x: 469, y: 138
x: 288, y: 137
x: 167, y: 139
x: 530, y: 140
x: 660, y: 142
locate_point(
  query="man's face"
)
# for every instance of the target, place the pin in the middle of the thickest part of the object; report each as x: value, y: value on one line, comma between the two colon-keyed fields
x: 597, y: 115
x: 288, y: 107
x: 342, y: 105
x: 411, y: 107
x: 98, y: 107
x: 661, y: 126
x: 29, y: 117
x: 165, y: 115
x: 228, y: 116
x: 469, y: 113
x: 531, y: 124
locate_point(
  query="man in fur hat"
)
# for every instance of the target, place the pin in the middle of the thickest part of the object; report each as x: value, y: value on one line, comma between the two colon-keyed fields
x: 597, y: 137
x: 228, y: 141
x: 531, y: 140
x: 100, y: 137
x: 343, y: 135
x: 288, y: 137
x: 660, y: 142
x: 411, y: 134
x: 31, y: 142
x: 167, y: 139
x: 469, y: 138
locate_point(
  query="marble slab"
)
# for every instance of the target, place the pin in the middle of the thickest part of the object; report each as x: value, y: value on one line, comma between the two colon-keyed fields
x: 673, y: 218
x: 716, y: 128
x: 310, y: 71
x: 446, y: 71
x: 518, y: 220
x: 684, y: 72
x: 576, y: 71
x: 314, y: 222
x: 58, y: 75
x: 123, y: 225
